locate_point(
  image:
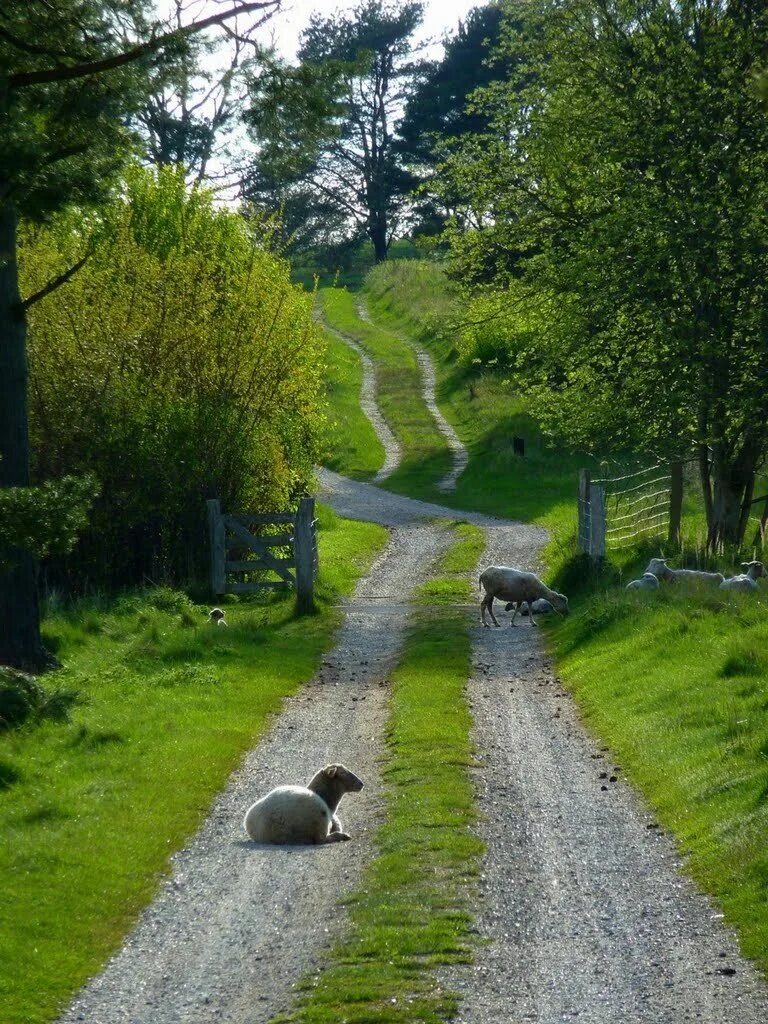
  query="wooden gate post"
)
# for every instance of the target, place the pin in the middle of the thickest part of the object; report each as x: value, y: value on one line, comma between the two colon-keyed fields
x: 596, y: 521
x: 583, y: 509
x: 303, y: 549
x: 218, y: 547
x: 675, y: 502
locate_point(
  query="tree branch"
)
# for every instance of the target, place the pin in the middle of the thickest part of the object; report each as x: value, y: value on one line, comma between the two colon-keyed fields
x: 57, y: 282
x: 25, y: 79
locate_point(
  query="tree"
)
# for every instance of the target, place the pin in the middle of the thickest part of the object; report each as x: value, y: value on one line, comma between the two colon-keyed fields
x: 329, y: 125
x: 67, y: 83
x: 621, y: 212
x: 440, y: 109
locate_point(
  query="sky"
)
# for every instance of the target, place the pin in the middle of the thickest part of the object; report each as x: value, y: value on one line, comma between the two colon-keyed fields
x: 286, y: 26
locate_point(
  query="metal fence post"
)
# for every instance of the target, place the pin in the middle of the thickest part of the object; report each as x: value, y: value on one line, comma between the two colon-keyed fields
x: 304, y: 555
x: 218, y: 547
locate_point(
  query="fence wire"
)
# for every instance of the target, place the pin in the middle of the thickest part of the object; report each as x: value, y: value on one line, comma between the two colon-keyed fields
x: 637, y: 504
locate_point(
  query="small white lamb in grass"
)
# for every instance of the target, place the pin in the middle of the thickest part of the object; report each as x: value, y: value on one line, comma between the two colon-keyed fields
x: 303, y: 814
x: 659, y: 568
x: 516, y: 587
x: 746, y: 581
x: 646, y: 582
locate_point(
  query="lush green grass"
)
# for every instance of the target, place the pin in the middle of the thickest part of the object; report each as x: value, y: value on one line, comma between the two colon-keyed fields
x: 412, y: 911
x: 353, y: 445
x: 415, y: 298
x: 96, y: 806
x: 677, y: 682
x: 425, y: 455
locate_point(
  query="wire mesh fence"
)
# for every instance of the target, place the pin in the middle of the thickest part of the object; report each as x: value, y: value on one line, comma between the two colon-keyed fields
x: 615, y: 511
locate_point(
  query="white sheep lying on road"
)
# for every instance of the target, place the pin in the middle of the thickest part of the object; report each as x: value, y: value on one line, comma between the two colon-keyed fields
x: 516, y: 587
x: 747, y: 581
x: 659, y: 568
x: 646, y: 582
x: 540, y: 607
x: 303, y: 814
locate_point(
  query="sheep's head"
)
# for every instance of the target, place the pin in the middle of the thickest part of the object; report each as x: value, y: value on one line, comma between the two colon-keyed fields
x: 348, y: 779
x: 755, y: 569
x: 559, y: 602
x: 657, y: 567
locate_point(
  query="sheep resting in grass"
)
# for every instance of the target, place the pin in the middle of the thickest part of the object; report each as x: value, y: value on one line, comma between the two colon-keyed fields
x: 659, y: 568
x: 646, y: 582
x: 747, y: 581
x: 518, y: 588
x: 303, y: 814
x: 216, y: 615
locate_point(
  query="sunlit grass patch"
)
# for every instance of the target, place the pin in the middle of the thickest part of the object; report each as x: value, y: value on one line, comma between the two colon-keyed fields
x: 353, y: 445
x: 91, y: 809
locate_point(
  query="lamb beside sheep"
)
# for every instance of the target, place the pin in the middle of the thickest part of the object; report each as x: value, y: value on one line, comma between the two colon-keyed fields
x: 303, y: 814
x: 517, y: 588
x: 658, y: 567
x: 646, y: 582
x: 747, y: 581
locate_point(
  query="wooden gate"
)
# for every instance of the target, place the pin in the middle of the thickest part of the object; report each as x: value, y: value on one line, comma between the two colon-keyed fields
x: 244, y: 534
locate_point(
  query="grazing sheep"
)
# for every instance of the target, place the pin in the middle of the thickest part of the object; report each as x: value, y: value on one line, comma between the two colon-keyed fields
x: 659, y: 568
x: 217, y: 615
x: 299, y: 814
x: 516, y: 587
x: 646, y: 582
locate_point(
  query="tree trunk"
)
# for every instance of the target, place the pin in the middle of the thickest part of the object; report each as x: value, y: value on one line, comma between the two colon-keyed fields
x: 733, y: 483
x: 377, y: 232
x: 20, y: 643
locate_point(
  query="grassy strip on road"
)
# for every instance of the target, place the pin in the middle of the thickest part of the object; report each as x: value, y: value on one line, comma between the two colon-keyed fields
x: 425, y: 454
x: 676, y: 682
x: 354, y: 446
x: 412, y: 911
x: 92, y: 809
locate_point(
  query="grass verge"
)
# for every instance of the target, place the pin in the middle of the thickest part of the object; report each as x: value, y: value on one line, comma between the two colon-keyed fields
x: 425, y: 455
x: 412, y: 911
x: 90, y: 810
x: 676, y: 682
x: 354, y: 446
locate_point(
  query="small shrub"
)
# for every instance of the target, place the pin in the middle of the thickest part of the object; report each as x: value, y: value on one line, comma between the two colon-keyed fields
x: 8, y: 774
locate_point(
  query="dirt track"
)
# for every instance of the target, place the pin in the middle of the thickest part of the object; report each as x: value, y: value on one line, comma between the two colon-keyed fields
x: 588, y: 915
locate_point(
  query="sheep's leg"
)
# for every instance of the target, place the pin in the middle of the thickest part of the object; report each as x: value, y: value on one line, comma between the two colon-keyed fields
x: 530, y: 613
x: 483, y: 605
x: 490, y: 609
x: 514, y: 613
x: 335, y: 824
x: 337, y: 837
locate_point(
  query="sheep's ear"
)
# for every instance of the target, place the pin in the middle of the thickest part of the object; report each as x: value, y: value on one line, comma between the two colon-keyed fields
x: 330, y: 771
x: 745, y: 565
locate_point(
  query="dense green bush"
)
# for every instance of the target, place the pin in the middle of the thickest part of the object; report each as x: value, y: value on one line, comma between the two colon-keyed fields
x: 178, y: 364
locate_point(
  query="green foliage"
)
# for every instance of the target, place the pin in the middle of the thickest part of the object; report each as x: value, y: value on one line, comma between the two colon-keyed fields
x: 93, y: 809
x: 618, y: 207
x: 46, y: 519
x: 178, y: 364
x: 325, y: 128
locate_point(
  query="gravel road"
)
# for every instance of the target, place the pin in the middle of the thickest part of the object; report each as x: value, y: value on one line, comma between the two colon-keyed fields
x: 238, y: 924
x: 587, y: 913
x: 459, y: 453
